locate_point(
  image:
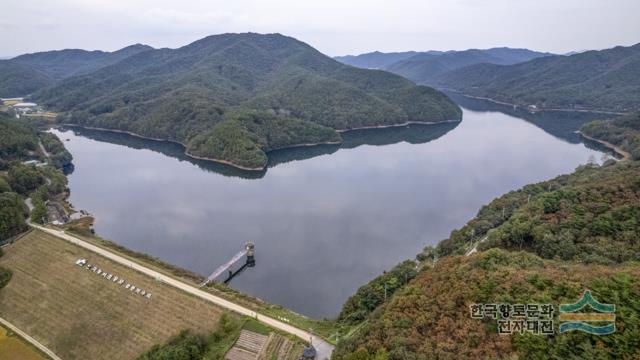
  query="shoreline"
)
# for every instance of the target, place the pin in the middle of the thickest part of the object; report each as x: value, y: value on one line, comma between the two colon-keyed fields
x: 618, y: 150
x: 305, y: 145
x: 407, y: 123
x: 186, y: 152
x: 263, y: 168
x: 605, y: 112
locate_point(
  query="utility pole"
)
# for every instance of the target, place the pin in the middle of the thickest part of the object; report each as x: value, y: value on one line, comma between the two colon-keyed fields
x: 385, y: 291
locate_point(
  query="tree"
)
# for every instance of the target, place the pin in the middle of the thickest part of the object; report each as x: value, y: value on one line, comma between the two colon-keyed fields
x: 5, y: 276
x: 24, y: 178
x: 12, y: 214
x: 361, y: 354
x: 4, y: 185
x: 381, y: 354
x: 39, y: 212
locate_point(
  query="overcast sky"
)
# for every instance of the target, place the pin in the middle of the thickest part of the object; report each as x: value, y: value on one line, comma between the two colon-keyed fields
x: 335, y: 27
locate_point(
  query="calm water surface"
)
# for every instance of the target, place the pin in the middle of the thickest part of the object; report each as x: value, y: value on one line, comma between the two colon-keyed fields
x: 324, y: 220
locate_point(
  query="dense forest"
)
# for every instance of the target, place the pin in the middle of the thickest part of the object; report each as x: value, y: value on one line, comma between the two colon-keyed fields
x: 623, y: 132
x: 430, y: 317
x: 19, y: 141
x: 594, y: 80
x: 18, y: 80
x: 203, y: 95
x: 246, y: 136
x: 26, y: 74
x: 424, y: 67
x: 591, y: 215
x: 61, y: 64
x: 544, y: 243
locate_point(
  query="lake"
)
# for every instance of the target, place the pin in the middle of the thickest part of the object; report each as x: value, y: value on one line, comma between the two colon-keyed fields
x: 324, y: 220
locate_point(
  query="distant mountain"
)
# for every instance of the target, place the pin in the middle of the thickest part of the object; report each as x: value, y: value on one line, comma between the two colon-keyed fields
x: 378, y: 60
x: 424, y: 68
x: 18, y: 80
x: 28, y: 73
x: 61, y: 64
x: 606, y: 80
x: 574, y: 52
x: 234, y: 97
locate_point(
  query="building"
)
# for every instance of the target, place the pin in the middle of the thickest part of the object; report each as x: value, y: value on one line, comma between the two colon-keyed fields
x: 10, y: 101
x: 25, y: 107
x: 35, y: 163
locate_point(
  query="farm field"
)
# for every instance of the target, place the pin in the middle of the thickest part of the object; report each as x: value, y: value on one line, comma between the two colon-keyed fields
x: 282, y: 348
x: 12, y: 347
x: 264, y: 345
x: 79, y: 314
x: 46, y: 115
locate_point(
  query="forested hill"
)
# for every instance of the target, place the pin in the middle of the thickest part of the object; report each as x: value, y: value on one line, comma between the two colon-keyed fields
x: 26, y: 74
x: 426, y: 67
x: 594, y: 80
x: 430, y: 318
x: 17, y: 80
x: 234, y: 97
x: 61, y: 64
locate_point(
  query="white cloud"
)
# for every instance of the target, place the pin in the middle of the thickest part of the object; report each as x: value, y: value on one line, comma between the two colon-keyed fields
x: 333, y: 26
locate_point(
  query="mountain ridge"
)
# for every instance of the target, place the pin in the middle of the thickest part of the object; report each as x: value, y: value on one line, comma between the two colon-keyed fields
x: 423, y: 67
x: 24, y: 74
x: 376, y: 59
x: 605, y: 80
x: 235, y: 97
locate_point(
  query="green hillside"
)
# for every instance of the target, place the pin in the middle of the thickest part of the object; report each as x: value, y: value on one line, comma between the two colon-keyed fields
x: 424, y: 68
x: 26, y: 74
x: 62, y: 64
x: 606, y: 80
x: 18, y: 80
x: 18, y: 143
x: 623, y: 132
x: 430, y: 317
x: 234, y: 97
x: 377, y: 59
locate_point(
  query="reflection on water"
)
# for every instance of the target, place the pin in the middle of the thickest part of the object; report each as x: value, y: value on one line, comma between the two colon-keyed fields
x: 323, y: 226
x: 414, y: 134
x: 167, y: 148
x: 561, y: 124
